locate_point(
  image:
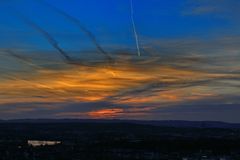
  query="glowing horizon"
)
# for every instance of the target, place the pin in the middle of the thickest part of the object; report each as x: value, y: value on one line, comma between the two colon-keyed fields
x: 181, y: 77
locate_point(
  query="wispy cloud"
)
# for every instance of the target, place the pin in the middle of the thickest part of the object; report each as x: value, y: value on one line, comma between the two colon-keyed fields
x: 219, y: 8
x: 170, y: 72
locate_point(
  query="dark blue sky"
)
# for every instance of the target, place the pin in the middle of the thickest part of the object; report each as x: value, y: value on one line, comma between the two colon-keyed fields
x: 78, y: 59
x: 110, y: 22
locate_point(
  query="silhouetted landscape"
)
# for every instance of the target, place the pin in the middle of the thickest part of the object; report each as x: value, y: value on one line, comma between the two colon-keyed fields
x: 118, y: 139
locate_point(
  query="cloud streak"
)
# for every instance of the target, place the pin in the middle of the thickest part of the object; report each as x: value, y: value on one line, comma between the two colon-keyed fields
x: 82, y: 28
x: 176, y: 72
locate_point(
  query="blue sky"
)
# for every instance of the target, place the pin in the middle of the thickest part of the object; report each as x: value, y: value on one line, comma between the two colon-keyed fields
x: 78, y: 59
x: 110, y: 22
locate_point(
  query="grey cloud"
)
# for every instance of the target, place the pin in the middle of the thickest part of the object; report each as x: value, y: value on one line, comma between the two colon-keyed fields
x: 219, y: 8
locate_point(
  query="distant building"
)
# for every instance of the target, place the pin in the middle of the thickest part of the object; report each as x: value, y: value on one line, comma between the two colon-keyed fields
x: 36, y: 143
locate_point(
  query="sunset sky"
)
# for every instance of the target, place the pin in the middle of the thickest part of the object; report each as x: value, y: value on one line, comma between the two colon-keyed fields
x: 78, y: 59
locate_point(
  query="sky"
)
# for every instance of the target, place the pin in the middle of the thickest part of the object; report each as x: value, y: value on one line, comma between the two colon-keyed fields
x: 79, y: 59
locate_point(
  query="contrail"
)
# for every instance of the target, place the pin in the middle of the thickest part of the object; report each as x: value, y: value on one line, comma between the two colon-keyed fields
x: 22, y: 59
x: 134, y: 28
x: 81, y: 27
x: 49, y: 38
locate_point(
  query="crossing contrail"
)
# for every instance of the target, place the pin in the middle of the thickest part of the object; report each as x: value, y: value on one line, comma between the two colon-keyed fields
x: 134, y: 28
x: 46, y: 35
x: 22, y: 59
x: 80, y: 26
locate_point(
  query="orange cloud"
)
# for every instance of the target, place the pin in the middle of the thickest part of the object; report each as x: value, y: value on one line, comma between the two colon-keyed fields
x: 121, y: 83
x: 106, y: 113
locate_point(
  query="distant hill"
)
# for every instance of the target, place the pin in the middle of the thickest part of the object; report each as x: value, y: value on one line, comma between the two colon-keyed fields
x: 193, y: 124
x: 163, y: 123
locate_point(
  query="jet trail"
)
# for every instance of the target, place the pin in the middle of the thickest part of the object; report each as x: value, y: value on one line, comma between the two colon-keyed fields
x: 134, y: 28
x: 49, y: 38
x: 22, y: 59
x: 81, y: 27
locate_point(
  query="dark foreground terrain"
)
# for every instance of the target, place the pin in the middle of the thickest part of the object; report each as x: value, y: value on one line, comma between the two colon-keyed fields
x: 121, y: 140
